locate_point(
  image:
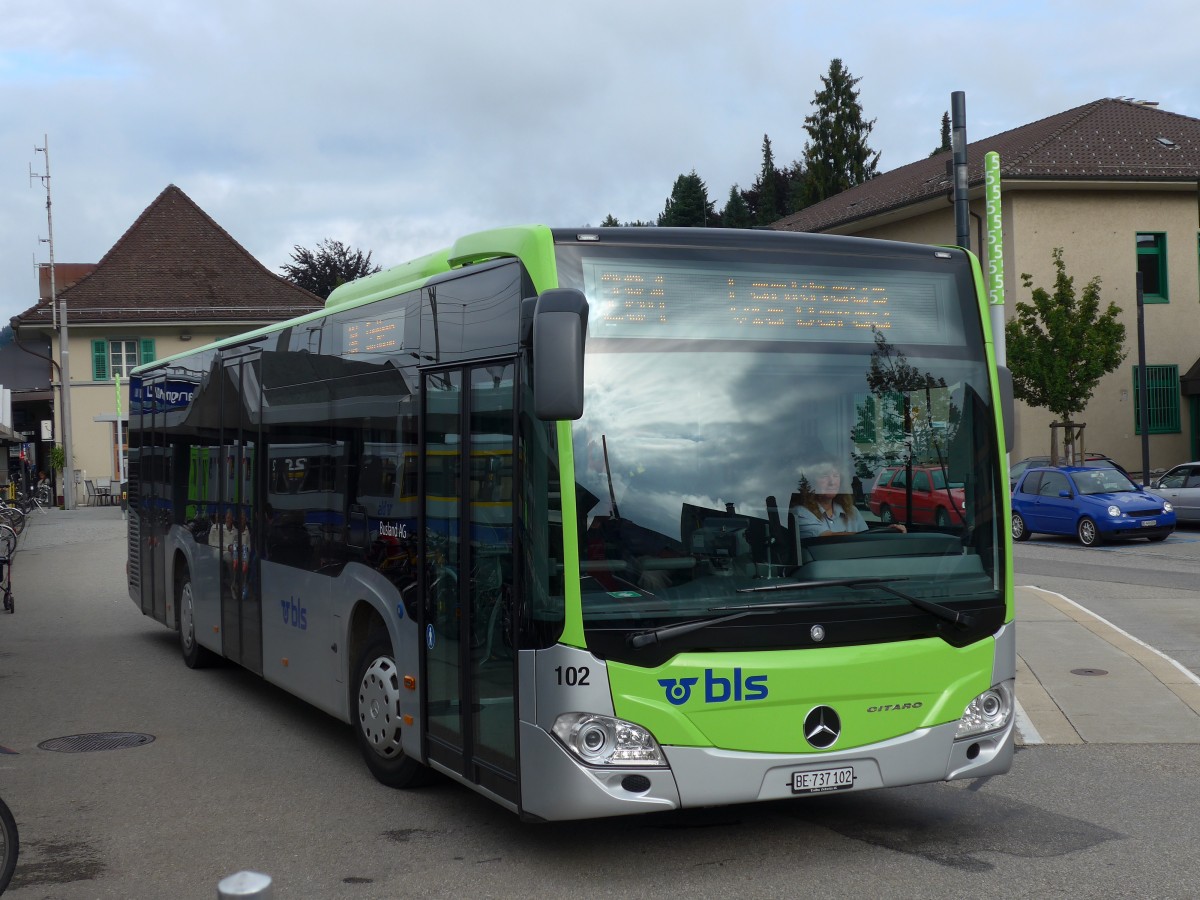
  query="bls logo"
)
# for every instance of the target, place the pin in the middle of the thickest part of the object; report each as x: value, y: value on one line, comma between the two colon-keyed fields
x: 717, y: 690
x: 294, y: 614
x: 679, y: 691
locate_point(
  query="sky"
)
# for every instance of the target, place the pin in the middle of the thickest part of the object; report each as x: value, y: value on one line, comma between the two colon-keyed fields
x: 396, y: 126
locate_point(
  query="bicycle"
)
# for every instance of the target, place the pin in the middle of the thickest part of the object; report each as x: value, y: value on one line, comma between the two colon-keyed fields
x: 10, y: 845
x: 8, y: 547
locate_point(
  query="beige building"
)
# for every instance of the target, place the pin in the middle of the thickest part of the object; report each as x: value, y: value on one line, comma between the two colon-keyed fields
x: 174, y: 280
x: 1116, y: 185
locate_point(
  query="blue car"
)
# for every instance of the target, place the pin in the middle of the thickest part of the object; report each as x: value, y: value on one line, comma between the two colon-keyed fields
x: 1092, y: 504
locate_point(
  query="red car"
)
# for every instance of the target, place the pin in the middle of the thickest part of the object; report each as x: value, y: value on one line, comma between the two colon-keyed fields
x: 934, y: 500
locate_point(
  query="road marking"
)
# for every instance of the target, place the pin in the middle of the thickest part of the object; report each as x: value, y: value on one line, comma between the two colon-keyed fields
x: 1026, y: 728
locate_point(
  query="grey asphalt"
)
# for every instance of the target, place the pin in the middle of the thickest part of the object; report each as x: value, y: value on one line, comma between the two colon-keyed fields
x: 1080, y: 679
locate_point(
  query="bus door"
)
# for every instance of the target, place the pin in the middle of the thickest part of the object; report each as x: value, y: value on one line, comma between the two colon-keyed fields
x: 469, y: 667
x: 238, y: 520
x: 154, y: 511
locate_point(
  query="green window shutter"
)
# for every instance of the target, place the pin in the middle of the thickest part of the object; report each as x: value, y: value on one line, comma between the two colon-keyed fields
x: 147, y: 351
x: 1162, y: 394
x: 100, y: 360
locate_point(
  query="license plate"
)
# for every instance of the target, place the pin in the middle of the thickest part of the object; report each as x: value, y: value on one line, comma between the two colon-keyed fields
x: 822, y: 780
x: 1146, y: 523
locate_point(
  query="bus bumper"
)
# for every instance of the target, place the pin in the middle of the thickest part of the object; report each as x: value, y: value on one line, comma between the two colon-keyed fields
x: 555, y: 786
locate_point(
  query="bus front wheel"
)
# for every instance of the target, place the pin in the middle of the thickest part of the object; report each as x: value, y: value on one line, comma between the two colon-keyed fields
x: 375, y: 707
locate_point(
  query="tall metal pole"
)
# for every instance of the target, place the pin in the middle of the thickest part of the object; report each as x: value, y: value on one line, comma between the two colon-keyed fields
x: 1143, y: 388
x: 958, y: 144
x: 63, y: 349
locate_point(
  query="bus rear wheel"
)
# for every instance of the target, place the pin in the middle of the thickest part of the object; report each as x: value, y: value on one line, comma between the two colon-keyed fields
x: 375, y: 708
x: 194, y: 656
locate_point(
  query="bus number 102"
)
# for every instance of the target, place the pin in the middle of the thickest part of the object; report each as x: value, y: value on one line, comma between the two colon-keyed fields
x: 572, y: 676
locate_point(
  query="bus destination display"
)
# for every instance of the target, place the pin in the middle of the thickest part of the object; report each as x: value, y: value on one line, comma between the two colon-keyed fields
x: 371, y: 336
x: 662, y: 300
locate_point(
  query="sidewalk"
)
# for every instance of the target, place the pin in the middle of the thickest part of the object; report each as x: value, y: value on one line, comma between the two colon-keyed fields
x: 1081, y: 680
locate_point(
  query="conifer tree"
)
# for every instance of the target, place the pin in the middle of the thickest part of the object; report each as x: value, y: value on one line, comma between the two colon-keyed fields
x: 736, y: 213
x: 688, y: 205
x: 945, y: 144
x: 837, y: 156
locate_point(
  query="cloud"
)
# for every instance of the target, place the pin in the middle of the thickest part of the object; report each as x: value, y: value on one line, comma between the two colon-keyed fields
x: 395, y: 127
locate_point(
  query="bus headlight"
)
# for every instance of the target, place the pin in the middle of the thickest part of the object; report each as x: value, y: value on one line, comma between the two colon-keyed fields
x: 605, y: 741
x: 990, y: 711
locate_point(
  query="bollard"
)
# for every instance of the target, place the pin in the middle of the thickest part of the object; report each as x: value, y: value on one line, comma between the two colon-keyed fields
x: 253, y: 885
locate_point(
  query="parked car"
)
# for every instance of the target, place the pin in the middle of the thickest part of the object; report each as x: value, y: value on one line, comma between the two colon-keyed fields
x: 1093, y: 504
x: 934, y: 500
x: 1090, y: 460
x: 1181, y: 486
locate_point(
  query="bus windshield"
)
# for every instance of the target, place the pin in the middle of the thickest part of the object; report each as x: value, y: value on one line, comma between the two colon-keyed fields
x: 736, y: 414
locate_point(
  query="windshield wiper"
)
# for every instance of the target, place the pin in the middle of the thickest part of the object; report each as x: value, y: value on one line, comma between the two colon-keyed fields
x: 666, y: 632
x: 962, y: 620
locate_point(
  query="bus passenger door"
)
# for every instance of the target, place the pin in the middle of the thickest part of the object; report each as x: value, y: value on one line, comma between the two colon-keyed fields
x: 467, y: 489
x: 239, y: 524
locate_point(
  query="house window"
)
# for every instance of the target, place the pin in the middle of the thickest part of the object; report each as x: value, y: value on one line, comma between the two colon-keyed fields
x: 1152, y: 263
x: 118, y: 357
x: 1162, y: 400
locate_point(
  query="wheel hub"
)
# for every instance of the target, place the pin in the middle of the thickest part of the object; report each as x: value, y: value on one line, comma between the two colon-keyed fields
x: 379, y: 707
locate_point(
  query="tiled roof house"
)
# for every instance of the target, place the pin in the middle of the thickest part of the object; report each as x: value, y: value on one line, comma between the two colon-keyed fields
x: 1116, y: 185
x: 174, y: 279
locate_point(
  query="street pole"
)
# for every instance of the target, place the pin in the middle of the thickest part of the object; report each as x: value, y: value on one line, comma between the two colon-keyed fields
x: 958, y: 144
x: 63, y: 349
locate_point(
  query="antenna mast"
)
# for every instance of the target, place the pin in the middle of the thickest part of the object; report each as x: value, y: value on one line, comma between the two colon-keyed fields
x: 60, y: 324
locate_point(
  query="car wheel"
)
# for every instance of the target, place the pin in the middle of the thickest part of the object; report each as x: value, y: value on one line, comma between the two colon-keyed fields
x: 941, y: 518
x: 1088, y: 534
x: 1154, y: 539
x: 885, y: 514
x: 1019, y: 531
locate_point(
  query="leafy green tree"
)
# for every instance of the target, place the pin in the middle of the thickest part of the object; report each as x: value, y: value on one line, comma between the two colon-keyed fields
x: 688, y: 205
x: 837, y: 156
x: 610, y: 221
x: 736, y: 213
x: 1060, y: 346
x: 328, y: 267
x: 945, y: 144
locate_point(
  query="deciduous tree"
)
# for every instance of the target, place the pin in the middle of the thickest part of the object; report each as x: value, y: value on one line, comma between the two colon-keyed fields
x: 326, y: 268
x: 1059, y: 345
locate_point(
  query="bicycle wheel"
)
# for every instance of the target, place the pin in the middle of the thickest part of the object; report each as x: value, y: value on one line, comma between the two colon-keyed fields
x: 13, y: 518
x: 8, y: 540
x: 9, y: 846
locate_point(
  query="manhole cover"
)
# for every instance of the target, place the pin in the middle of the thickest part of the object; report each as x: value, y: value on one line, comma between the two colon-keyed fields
x: 1089, y: 671
x: 105, y: 740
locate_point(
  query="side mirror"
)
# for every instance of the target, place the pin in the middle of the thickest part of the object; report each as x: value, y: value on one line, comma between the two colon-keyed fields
x: 1065, y: 494
x: 559, y: 335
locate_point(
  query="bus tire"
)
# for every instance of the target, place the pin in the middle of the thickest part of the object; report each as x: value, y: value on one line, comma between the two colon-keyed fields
x: 194, y: 656
x: 375, y: 713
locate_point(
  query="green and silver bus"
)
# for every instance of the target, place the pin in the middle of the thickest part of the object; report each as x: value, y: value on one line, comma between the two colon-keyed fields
x: 536, y: 512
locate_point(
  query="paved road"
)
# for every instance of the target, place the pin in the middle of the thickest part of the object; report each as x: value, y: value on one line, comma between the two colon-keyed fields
x: 239, y: 775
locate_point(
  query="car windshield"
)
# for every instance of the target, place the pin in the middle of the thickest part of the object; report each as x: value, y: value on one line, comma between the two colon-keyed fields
x: 1103, y: 481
